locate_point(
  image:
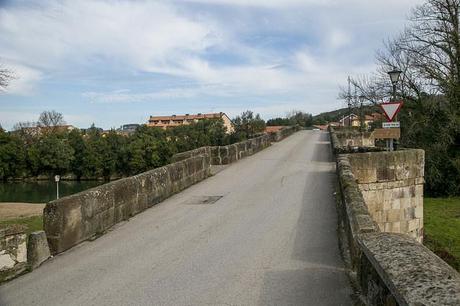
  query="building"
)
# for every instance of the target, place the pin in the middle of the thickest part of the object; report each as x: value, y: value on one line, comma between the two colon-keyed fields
x: 355, y: 121
x: 128, y: 129
x: 177, y: 120
x: 37, y: 130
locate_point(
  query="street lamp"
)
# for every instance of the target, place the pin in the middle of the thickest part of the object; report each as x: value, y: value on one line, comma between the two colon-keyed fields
x: 394, y: 76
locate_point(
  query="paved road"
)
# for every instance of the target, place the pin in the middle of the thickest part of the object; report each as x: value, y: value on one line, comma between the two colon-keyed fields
x: 270, y: 240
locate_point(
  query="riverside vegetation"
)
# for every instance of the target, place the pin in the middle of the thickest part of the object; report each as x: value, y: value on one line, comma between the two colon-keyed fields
x: 93, y: 154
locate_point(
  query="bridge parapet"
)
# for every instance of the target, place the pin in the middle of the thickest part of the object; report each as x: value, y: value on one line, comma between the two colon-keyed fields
x: 381, y: 217
x: 346, y: 139
x: 82, y: 216
x: 88, y: 214
x: 223, y: 155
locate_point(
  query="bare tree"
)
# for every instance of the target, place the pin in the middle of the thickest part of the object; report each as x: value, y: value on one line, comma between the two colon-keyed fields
x: 26, y: 130
x: 50, y: 119
x: 427, y: 53
x: 431, y: 44
x: 367, y: 90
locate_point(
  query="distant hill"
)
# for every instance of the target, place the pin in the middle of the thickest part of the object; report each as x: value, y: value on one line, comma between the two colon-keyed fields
x: 336, y: 115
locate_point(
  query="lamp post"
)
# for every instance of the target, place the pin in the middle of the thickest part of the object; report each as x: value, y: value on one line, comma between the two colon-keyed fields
x: 57, y: 179
x: 394, y: 77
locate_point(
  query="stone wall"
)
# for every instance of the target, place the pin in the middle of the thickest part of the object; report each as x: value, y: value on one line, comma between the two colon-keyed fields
x: 192, y: 153
x: 223, y: 155
x: 13, y: 251
x: 347, y: 139
x: 283, y: 133
x: 389, y: 268
x: 392, y: 186
x: 79, y: 217
x: 73, y: 219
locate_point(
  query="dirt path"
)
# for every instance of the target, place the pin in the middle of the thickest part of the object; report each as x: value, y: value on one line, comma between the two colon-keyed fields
x: 19, y: 210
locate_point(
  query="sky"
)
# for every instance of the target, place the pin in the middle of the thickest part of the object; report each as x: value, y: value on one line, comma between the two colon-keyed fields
x: 118, y: 62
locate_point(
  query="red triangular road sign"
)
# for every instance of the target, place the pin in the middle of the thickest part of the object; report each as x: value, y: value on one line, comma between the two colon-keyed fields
x: 390, y: 109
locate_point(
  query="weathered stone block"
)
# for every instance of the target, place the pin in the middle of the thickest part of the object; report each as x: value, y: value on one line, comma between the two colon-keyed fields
x: 13, y: 251
x: 418, y: 212
x: 37, y: 249
x: 393, y: 215
x: 413, y: 224
x: 76, y: 218
x: 396, y: 227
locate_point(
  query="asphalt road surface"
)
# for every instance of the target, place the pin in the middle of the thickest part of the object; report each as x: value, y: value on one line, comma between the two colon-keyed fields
x: 269, y: 240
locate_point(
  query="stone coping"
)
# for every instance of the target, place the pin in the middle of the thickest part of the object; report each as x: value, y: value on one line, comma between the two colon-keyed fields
x: 414, y: 274
x: 358, y: 215
x: 411, y: 272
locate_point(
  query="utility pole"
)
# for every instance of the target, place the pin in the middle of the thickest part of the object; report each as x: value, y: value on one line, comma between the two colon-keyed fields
x: 349, y: 102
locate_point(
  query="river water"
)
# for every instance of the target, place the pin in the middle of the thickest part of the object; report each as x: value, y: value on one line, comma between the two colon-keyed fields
x: 41, y: 191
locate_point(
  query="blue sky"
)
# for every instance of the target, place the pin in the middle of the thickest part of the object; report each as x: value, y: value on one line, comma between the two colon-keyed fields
x: 117, y: 62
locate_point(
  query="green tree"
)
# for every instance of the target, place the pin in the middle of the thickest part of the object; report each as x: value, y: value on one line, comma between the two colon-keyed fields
x: 110, y: 150
x: 12, y: 157
x: 92, y: 160
x: 51, y: 155
x: 79, y: 147
x: 278, y: 122
x: 247, y: 125
x: 149, y: 149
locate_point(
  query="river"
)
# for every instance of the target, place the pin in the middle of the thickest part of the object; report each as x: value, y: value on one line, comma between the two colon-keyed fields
x: 41, y: 191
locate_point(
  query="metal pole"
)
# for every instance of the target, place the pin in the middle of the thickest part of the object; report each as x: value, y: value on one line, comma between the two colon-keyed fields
x: 394, y: 99
x: 57, y: 190
x: 349, y: 102
x: 394, y: 92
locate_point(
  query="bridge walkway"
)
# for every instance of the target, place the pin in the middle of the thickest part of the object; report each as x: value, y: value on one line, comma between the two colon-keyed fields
x: 269, y: 239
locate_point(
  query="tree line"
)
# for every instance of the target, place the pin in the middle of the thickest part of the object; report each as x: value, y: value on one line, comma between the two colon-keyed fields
x: 295, y: 117
x: 46, y: 148
x: 427, y: 52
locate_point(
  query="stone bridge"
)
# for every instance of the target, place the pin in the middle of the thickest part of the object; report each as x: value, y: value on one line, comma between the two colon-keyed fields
x: 226, y: 226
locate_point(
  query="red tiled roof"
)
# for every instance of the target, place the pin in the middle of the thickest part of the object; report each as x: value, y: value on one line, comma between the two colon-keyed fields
x: 273, y: 129
x: 188, y: 117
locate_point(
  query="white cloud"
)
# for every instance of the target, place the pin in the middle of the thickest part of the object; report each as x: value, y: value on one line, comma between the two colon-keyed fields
x: 126, y: 96
x: 338, y: 38
x: 59, y: 35
x: 24, y: 79
x: 267, y: 3
x: 295, y: 50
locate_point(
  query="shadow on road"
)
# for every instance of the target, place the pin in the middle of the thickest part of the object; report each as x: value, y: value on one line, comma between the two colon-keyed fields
x: 317, y: 275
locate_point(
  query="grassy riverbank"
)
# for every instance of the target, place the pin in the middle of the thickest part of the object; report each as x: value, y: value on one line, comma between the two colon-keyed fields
x: 34, y: 223
x: 442, y: 228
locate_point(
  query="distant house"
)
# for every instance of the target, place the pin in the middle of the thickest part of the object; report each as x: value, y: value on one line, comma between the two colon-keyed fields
x: 350, y: 120
x: 128, y: 129
x: 178, y: 120
x: 355, y: 121
x: 37, y: 130
x: 92, y: 128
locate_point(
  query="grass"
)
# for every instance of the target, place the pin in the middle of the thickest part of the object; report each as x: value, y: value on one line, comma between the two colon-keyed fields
x: 442, y: 228
x: 33, y: 224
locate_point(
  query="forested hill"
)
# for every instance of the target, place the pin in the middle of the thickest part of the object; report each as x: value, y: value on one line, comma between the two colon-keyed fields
x: 336, y: 115
x: 331, y: 116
